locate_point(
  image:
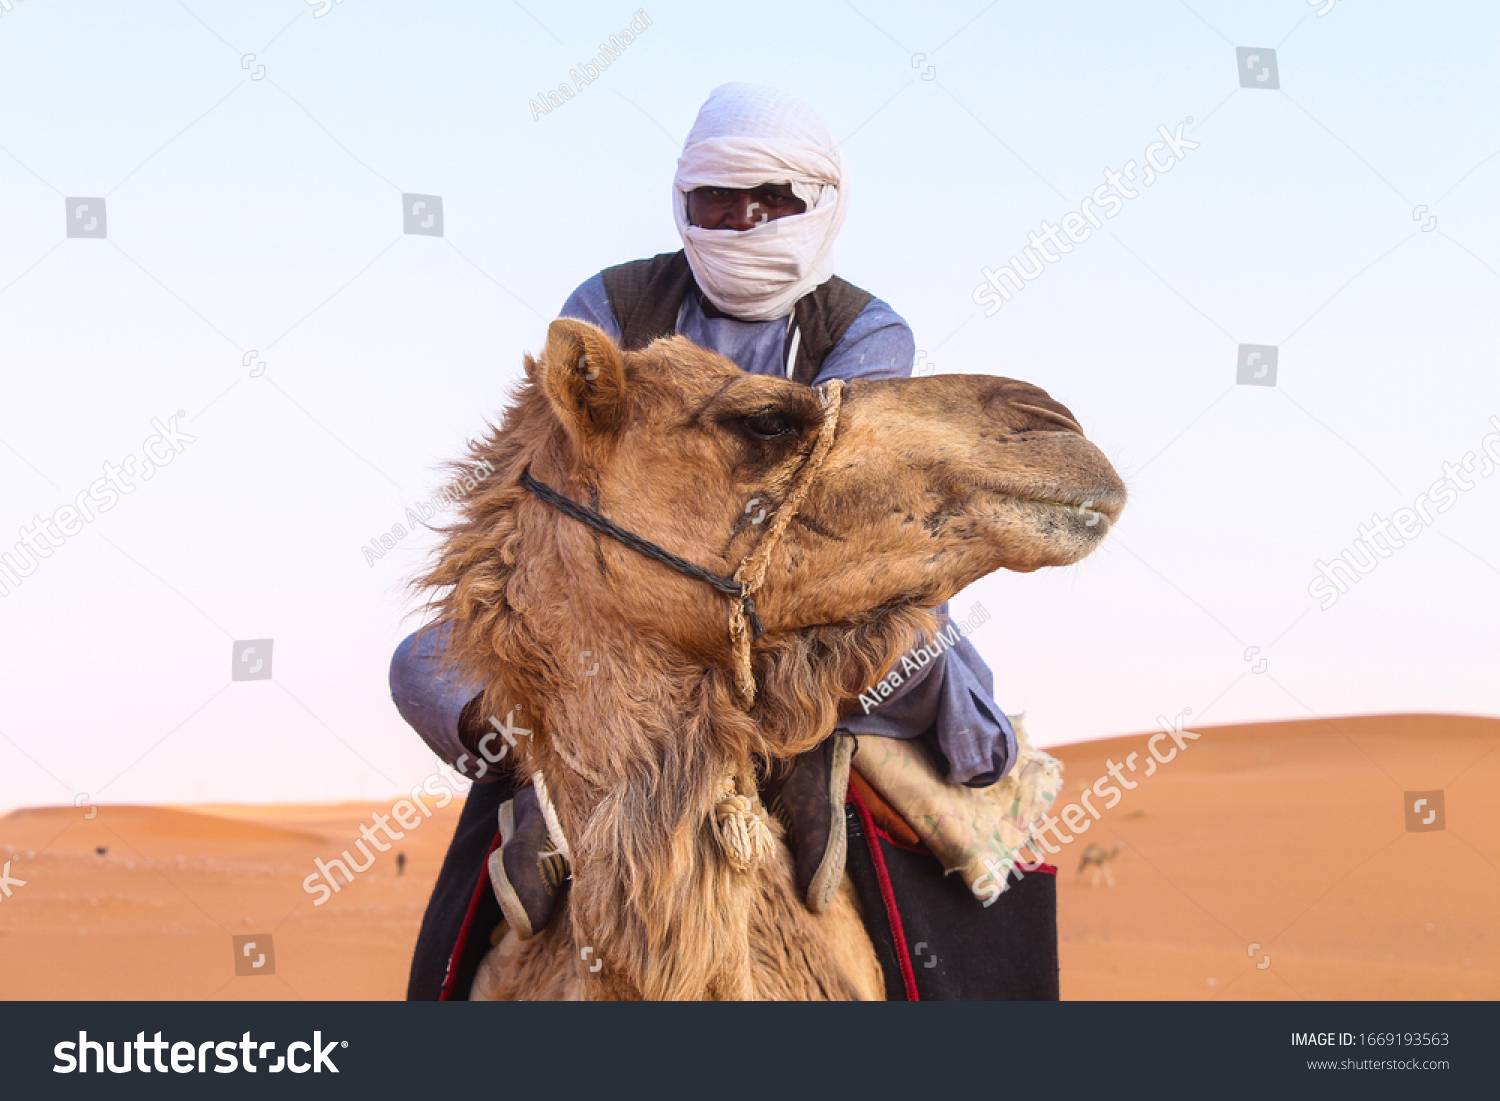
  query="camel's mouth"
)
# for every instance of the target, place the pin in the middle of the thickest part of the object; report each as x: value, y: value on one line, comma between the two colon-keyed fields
x: 1051, y: 528
x: 1079, y: 525
x: 1095, y: 507
x: 1102, y: 508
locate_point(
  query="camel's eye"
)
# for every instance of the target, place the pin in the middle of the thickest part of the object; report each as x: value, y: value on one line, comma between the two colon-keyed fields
x: 768, y: 426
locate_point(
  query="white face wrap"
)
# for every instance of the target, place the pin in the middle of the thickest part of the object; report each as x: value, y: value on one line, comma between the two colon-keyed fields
x: 745, y: 136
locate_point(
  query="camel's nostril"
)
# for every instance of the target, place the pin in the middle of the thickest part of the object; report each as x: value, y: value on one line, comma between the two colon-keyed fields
x: 1057, y: 415
x: 1035, y: 410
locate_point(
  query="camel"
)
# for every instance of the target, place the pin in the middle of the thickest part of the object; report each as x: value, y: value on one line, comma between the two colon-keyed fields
x: 886, y: 498
x: 1100, y: 858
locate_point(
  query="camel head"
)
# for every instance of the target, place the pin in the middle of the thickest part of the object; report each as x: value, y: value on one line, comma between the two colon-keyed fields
x: 929, y: 484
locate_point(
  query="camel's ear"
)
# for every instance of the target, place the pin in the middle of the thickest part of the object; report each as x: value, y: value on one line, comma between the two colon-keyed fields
x: 583, y: 375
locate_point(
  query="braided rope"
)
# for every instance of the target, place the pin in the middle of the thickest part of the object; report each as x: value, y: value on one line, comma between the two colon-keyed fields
x: 752, y: 571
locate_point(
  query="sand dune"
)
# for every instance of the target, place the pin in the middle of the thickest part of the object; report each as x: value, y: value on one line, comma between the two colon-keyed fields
x: 1291, y: 836
x: 165, y: 828
x: 154, y: 916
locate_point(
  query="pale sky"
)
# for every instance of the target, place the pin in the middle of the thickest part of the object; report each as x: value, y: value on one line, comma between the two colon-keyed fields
x: 257, y: 210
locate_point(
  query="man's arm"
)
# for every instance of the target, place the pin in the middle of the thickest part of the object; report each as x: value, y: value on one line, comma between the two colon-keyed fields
x: 879, y: 344
x: 950, y: 701
x: 590, y: 302
x: 440, y: 705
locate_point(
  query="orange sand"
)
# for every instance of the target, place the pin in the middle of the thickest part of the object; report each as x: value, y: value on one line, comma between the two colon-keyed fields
x: 154, y: 916
x: 1291, y: 835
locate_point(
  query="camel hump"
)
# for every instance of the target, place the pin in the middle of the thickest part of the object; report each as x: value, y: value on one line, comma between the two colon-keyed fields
x: 647, y: 295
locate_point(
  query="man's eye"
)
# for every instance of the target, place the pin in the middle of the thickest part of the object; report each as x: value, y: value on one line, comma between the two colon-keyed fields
x: 768, y: 426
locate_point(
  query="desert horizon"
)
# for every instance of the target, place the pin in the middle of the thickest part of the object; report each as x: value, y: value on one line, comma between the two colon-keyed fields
x: 1260, y: 861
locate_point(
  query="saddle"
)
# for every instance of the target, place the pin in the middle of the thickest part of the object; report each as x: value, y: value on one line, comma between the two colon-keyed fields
x: 965, y: 917
x: 935, y: 934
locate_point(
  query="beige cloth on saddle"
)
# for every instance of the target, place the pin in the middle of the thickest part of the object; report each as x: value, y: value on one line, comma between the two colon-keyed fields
x: 964, y: 826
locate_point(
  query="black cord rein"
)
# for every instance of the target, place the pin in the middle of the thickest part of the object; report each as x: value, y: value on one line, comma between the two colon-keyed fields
x: 726, y: 585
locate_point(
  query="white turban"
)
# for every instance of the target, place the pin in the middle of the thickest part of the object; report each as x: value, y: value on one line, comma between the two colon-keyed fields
x: 747, y: 135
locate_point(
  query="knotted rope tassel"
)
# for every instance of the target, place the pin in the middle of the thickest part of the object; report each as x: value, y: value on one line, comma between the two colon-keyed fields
x: 740, y: 827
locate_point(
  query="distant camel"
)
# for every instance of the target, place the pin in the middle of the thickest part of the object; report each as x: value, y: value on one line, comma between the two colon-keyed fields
x: 1100, y: 858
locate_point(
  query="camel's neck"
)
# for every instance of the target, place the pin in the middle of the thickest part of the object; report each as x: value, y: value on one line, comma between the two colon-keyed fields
x: 653, y: 892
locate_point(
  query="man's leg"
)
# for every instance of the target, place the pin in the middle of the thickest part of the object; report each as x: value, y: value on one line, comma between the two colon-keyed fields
x: 443, y: 707
x: 527, y: 872
x: 807, y: 795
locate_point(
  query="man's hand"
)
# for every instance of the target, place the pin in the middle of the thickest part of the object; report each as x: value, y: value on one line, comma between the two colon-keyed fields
x: 472, y: 729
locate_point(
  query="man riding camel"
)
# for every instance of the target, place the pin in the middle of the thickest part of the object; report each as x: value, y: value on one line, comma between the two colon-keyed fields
x: 760, y: 194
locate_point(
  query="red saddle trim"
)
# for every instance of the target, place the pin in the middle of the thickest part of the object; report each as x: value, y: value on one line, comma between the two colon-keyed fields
x: 457, y: 955
x: 887, y: 893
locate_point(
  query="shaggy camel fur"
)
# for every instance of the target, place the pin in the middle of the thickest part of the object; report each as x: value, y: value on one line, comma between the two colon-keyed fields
x: 930, y: 484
